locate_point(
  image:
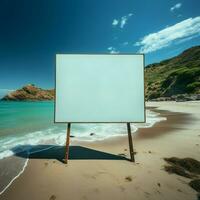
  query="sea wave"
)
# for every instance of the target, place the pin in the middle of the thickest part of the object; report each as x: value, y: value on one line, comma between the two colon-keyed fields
x: 57, y: 135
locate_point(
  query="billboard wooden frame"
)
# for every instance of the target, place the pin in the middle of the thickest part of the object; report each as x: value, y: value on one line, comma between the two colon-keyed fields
x: 132, y: 159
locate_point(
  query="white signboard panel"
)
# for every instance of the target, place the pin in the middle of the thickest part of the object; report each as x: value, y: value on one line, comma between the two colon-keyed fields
x: 99, y: 88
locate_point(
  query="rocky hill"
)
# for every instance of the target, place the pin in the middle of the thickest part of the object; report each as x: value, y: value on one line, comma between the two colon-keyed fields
x: 30, y: 93
x: 175, y: 76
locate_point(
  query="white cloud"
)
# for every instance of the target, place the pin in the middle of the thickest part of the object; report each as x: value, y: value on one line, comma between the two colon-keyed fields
x: 115, y: 22
x: 188, y: 38
x: 125, y: 43
x: 186, y: 29
x: 113, y: 50
x: 175, y: 7
x: 122, y: 21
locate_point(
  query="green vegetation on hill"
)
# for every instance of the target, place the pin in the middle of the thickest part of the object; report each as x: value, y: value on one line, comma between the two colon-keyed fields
x: 178, y: 75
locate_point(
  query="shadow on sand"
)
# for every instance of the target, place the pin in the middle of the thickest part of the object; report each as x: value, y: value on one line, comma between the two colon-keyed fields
x: 58, y: 152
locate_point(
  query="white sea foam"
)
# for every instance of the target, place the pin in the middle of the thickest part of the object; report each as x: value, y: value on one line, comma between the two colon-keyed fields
x: 25, y: 142
x: 57, y: 135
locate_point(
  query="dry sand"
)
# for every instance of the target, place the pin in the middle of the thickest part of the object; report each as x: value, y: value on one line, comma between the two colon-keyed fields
x: 96, y: 173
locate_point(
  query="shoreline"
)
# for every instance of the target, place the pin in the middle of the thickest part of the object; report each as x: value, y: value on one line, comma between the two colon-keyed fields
x: 78, y: 141
x: 114, y: 146
x: 17, y: 176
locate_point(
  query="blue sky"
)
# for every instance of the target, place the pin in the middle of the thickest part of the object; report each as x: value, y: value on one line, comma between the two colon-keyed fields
x: 32, y: 32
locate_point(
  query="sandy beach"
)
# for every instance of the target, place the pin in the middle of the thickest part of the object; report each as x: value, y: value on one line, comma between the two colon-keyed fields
x: 101, y: 170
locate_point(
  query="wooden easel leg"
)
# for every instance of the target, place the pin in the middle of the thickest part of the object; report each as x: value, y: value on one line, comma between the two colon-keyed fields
x: 130, y: 143
x: 67, y: 144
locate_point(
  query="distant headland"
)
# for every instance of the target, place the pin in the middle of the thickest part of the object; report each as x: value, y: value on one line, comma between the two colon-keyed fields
x: 30, y: 93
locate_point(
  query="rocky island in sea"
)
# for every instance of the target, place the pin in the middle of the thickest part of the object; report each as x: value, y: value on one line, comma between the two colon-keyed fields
x: 30, y: 93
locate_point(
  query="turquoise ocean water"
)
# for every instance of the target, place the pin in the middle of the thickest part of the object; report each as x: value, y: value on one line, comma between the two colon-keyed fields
x: 27, y: 124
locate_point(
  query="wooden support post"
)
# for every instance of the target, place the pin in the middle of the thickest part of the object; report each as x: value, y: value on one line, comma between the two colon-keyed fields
x: 67, y: 144
x: 130, y: 143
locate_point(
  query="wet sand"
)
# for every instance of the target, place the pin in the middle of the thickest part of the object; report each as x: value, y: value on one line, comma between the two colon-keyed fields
x: 96, y: 171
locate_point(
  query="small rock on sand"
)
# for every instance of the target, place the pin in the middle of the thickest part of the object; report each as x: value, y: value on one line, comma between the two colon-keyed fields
x: 52, y: 197
x: 189, y: 164
x: 195, y: 184
x: 128, y: 178
x: 177, y: 170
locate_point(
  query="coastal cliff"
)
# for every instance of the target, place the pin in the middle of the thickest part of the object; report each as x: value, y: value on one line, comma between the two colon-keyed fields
x: 178, y: 76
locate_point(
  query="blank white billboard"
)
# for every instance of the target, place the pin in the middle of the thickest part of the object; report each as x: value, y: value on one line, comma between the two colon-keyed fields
x: 99, y: 88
